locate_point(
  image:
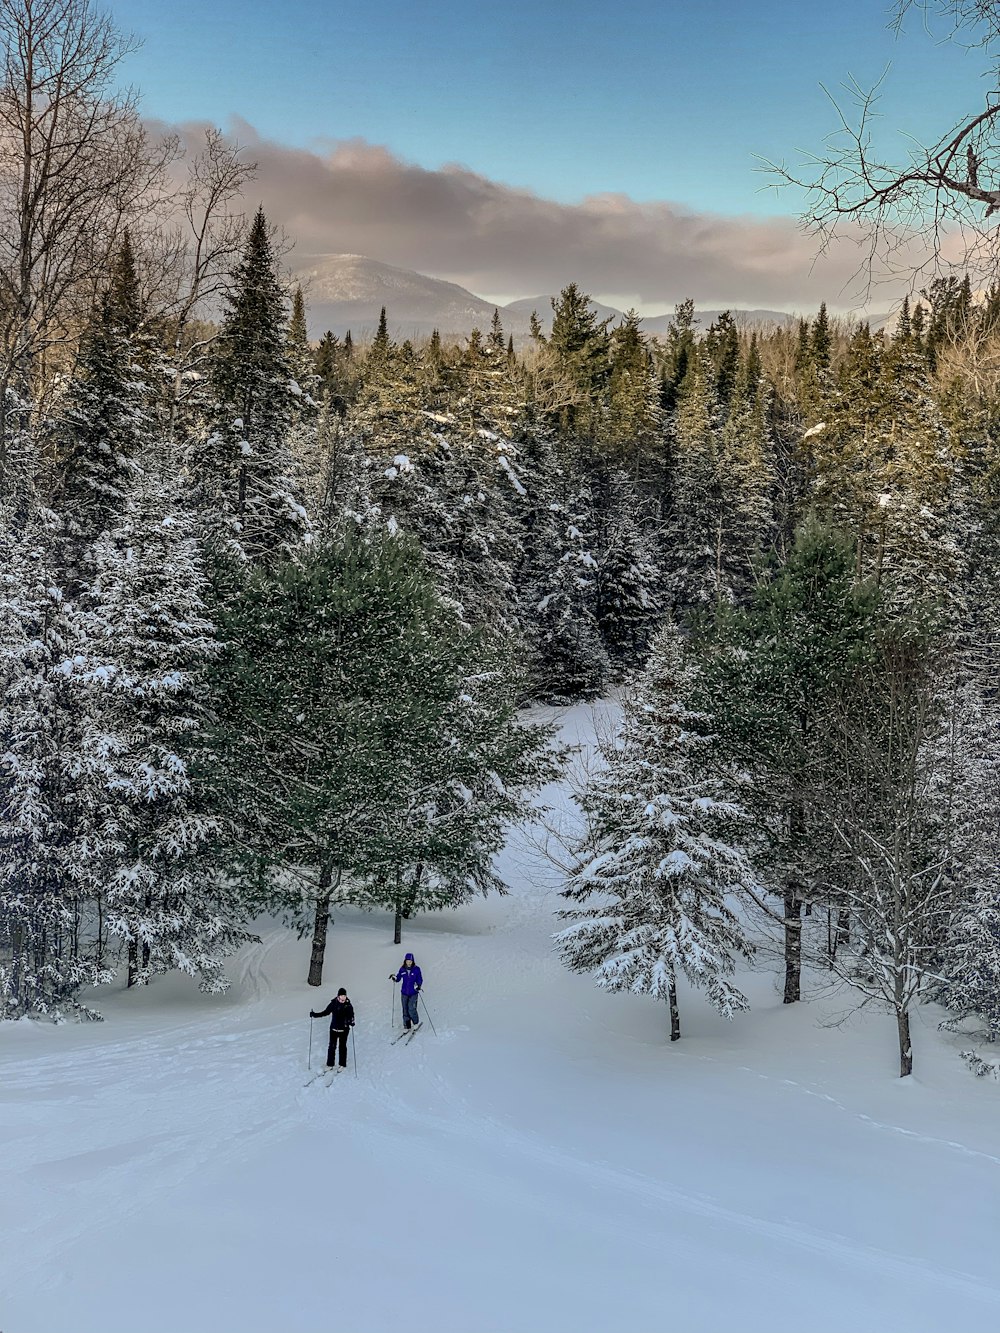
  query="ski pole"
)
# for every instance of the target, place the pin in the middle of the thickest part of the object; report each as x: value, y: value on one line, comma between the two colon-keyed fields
x: 428, y: 1013
x: 310, y: 1064
x: 354, y: 1048
x: 392, y: 1010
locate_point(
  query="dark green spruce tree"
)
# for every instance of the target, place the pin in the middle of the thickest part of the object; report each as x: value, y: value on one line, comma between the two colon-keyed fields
x: 245, y: 468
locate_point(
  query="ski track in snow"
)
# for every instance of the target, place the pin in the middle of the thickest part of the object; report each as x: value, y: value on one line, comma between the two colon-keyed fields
x: 654, y: 1194
x: 540, y: 1106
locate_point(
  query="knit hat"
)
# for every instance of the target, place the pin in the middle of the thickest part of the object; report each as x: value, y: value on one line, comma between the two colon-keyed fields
x: 342, y: 991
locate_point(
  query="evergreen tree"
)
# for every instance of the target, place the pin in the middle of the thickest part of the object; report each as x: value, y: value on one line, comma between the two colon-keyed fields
x: 634, y: 416
x: 659, y: 862
x: 246, y: 468
x: 300, y: 353
x: 342, y: 681
x: 496, y: 339
x: 381, y: 343
x: 465, y: 790
x: 821, y: 342
x: 694, y: 532
x: 125, y: 302
x: 147, y: 644
x: 103, y: 424
x: 722, y: 345
x: 972, y: 964
x: 569, y: 659
x: 748, y: 476
x: 627, y: 607
x: 774, y: 679
x: 578, y: 355
x: 51, y: 838
x: 680, y: 348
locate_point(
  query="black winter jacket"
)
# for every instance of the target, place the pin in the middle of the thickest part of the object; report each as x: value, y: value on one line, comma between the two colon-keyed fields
x: 341, y: 1015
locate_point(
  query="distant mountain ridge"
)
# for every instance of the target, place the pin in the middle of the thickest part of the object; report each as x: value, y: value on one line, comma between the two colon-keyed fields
x: 348, y: 292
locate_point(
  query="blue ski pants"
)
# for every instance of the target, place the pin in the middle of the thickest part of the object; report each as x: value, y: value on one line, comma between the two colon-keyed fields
x: 410, y: 1014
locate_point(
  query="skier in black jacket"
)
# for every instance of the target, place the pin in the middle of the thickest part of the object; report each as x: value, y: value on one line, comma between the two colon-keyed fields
x: 341, y: 1013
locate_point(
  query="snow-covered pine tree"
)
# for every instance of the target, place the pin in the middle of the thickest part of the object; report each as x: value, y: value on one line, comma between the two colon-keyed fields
x: 695, y: 573
x: 722, y: 348
x: 748, y: 476
x: 972, y: 963
x: 245, y: 468
x: 444, y: 469
x: 147, y: 645
x: 569, y: 660
x: 55, y: 717
x: 661, y: 858
x: 102, y: 424
x: 966, y: 792
x: 627, y: 578
x: 51, y: 838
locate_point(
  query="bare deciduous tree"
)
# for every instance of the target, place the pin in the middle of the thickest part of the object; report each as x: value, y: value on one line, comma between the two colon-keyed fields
x: 201, y: 250
x: 75, y: 165
x: 935, y: 205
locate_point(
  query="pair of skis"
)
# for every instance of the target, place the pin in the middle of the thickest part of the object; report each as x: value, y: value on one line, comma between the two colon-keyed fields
x: 331, y: 1074
x: 409, y: 1033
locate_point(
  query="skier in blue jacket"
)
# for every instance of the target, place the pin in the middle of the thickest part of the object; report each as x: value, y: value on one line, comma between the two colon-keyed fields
x: 409, y: 975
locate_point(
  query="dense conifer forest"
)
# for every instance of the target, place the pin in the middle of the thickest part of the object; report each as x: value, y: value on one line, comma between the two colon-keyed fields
x: 272, y: 608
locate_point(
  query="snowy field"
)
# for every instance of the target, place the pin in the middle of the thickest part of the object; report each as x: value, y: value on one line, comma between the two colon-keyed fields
x: 546, y: 1162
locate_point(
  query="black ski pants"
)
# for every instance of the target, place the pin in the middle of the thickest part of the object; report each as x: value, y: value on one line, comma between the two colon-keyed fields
x: 337, y: 1039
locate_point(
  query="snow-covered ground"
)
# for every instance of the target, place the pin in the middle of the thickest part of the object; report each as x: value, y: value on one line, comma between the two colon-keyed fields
x: 546, y: 1162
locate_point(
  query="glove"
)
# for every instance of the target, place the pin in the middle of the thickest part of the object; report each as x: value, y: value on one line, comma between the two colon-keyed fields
x: 391, y: 977
x: 312, y: 1014
x: 415, y: 989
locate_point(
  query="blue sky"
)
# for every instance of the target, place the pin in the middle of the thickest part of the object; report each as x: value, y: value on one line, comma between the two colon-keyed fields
x: 652, y: 98
x: 657, y: 100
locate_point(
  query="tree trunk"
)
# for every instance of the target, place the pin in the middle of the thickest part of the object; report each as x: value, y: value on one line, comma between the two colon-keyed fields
x: 100, y: 930
x: 17, y: 966
x: 145, y: 946
x: 320, y: 923
x: 843, y: 927
x: 905, y: 1049
x: 133, y: 963
x: 397, y: 930
x: 675, y: 1017
x: 315, y: 977
x: 793, y: 947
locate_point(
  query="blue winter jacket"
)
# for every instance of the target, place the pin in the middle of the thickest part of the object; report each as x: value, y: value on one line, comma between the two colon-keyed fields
x: 410, y: 976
